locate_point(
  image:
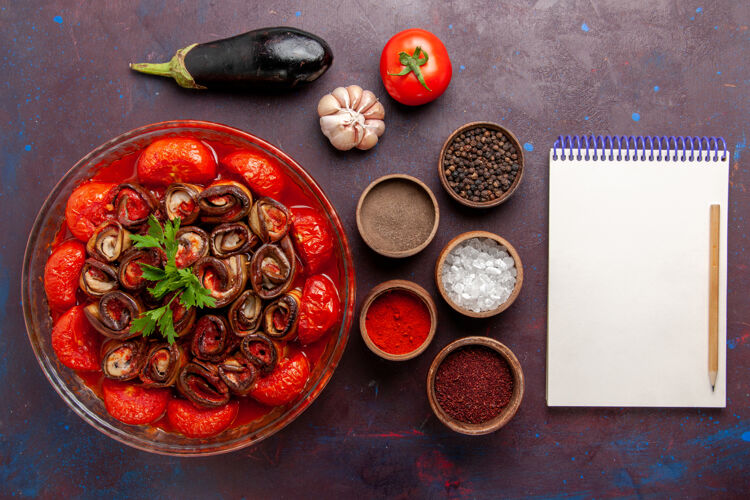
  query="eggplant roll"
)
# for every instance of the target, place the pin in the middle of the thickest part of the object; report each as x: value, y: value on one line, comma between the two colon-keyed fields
x: 200, y: 383
x: 245, y: 315
x: 281, y: 316
x: 224, y: 278
x: 133, y: 205
x: 269, y: 219
x: 212, y: 339
x: 232, y: 238
x: 130, y: 273
x: 181, y: 200
x: 109, y: 241
x: 97, y: 278
x: 149, y: 301
x: 192, y: 245
x: 238, y: 373
x: 261, y: 351
x: 224, y: 201
x: 123, y: 360
x: 162, y: 364
x: 272, y: 269
x: 183, y: 317
x: 112, y: 315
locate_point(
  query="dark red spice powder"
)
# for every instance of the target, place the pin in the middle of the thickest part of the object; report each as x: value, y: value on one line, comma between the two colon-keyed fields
x: 398, y: 322
x: 473, y: 384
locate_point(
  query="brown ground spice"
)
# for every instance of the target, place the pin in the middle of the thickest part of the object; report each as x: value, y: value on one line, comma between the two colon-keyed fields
x: 397, y: 215
x: 473, y: 384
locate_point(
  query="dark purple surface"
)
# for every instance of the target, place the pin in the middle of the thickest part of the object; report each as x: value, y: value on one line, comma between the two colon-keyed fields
x: 541, y: 68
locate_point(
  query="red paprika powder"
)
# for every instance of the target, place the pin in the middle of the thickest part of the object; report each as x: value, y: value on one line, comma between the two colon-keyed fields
x: 398, y: 322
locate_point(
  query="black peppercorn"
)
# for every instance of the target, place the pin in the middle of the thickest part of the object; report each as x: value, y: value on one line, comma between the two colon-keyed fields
x: 480, y: 164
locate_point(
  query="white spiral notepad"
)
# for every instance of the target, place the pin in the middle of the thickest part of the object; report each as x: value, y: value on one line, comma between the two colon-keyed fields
x: 629, y: 271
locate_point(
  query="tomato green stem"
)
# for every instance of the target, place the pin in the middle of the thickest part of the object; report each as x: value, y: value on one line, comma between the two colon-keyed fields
x: 412, y: 63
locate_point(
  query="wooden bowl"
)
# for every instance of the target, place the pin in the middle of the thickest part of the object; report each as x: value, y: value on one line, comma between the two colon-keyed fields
x: 478, y: 234
x: 513, y: 186
x: 515, y: 400
x: 408, y: 287
x: 408, y: 193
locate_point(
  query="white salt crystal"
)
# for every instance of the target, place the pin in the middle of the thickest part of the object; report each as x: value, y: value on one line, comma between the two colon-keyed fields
x: 479, y: 275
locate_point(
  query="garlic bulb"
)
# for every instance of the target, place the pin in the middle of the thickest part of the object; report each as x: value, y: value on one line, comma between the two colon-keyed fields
x: 351, y: 117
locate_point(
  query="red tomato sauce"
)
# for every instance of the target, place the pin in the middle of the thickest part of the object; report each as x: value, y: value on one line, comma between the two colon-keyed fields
x: 124, y: 170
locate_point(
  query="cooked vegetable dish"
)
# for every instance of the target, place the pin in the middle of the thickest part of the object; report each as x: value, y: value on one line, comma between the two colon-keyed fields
x: 193, y: 286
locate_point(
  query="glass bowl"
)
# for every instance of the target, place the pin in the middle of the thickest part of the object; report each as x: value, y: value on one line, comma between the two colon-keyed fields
x: 72, y: 388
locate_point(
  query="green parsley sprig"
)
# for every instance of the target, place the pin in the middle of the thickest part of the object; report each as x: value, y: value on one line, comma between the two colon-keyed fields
x: 187, y: 286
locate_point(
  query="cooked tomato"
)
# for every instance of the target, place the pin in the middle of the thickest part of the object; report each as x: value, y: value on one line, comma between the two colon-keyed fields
x: 75, y: 341
x: 415, y: 67
x: 179, y: 159
x: 200, y: 423
x: 259, y: 171
x: 89, y: 205
x: 312, y: 237
x: 61, y: 274
x: 320, y: 309
x: 284, y: 383
x: 134, y: 404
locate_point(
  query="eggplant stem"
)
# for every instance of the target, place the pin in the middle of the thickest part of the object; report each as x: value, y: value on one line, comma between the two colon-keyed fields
x: 175, y: 68
x: 160, y: 69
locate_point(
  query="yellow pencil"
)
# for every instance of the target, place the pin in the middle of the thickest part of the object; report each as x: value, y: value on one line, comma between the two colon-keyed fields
x: 713, y: 299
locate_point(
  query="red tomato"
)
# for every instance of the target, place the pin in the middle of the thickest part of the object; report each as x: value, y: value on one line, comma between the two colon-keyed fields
x: 134, y: 404
x: 89, y: 205
x: 200, y: 423
x: 436, y: 70
x: 284, y: 383
x: 319, y: 309
x: 178, y: 159
x: 62, y: 272
x: 259, y: 171
x: 75, y: 341
x: 312, y: 237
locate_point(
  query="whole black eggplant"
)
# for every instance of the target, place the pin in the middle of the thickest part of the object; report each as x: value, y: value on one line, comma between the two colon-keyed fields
x: 270, y: 58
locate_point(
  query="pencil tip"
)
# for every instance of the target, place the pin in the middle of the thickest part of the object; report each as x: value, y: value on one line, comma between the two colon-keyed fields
x: 712, y: 379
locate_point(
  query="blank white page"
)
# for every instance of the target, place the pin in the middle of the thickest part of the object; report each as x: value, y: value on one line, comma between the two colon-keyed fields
x: 628, y: 283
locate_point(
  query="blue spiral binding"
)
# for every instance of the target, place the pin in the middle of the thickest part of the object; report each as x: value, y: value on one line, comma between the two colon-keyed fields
x: 659, y: 148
